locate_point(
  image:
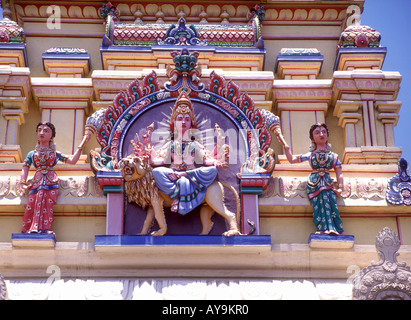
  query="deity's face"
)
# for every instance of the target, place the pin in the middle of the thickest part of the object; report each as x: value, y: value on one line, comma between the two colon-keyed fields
x: 183, y: 122
x: 44, y: 133
x: 320, y: 135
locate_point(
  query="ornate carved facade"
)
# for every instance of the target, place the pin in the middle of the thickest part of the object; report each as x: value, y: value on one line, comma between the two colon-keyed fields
x: 266, y: 67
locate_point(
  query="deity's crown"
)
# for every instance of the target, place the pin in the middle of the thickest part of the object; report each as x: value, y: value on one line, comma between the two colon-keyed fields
x: 183, y: 105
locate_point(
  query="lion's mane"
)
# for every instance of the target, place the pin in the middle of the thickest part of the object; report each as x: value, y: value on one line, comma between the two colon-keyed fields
x: 142, y: 191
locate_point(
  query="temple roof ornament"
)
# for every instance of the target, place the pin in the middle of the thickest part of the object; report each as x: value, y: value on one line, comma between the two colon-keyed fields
x: 107, y: 9
x: 182, y: 35
x: 10, y: 31
x: 218, y: 35
x: 66, y: 61
x: 359, y: 45
x: 299, y: 63
x: 358, y: 36
x: 387, y: 279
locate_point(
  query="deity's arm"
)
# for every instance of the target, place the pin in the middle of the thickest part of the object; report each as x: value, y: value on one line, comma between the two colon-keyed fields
x: 287, y: 150
x: 76, y: 156
x: 290, y: 157
x: 204, y: 154
x: 22, y: 182
x: 24, y: 172
x: 339, y: 176
x: 160, y: 156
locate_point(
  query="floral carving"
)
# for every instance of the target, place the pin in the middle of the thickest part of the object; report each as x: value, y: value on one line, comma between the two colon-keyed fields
x: 371, y: 188
x: 293, y: 187
x: 83, y: 186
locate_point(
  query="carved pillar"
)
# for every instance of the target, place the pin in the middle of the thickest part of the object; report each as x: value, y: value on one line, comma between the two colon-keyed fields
x: 112, y: 185
x: 14, y: 96
x: 252, y: 185
x: 356, y: 96
x: 370, y: 131
x: 297, y: 118
x: 388, y: 115
x: 348, y: 116
x: 65, y: 103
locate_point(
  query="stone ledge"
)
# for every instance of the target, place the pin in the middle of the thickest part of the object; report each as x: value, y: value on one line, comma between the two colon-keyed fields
x: 106, y: 241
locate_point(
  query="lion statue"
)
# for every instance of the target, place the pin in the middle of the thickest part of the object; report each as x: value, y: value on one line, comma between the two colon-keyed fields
x: 141, y: 189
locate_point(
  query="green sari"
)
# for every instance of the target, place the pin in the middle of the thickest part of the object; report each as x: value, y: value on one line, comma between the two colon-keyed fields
x: 326, y: 216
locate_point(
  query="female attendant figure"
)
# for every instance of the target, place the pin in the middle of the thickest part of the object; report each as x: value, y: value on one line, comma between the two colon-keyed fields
x: 320, y: 186
x: 183, y: 181
x: 43, y: 187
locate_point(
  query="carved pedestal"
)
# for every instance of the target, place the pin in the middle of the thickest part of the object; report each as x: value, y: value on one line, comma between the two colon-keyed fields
x: 33, y: 240
x: 325, y: 241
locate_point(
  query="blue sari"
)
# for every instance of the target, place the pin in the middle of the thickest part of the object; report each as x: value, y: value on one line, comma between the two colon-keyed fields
x: 190, y: 190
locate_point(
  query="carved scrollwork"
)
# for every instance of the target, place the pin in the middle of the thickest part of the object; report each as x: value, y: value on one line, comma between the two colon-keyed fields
x: 3, y: 288
x: 387, y: 279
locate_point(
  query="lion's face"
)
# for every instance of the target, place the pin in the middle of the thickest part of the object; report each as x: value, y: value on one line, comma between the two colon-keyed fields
x: 133, y: 168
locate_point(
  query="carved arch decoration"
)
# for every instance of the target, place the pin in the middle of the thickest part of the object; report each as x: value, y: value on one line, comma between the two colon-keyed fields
x: 387, y: 279
x: 115, y: 126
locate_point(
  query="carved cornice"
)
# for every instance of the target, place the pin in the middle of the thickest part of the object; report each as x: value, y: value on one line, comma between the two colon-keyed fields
x: 367, y: 85
x: 63, y: 92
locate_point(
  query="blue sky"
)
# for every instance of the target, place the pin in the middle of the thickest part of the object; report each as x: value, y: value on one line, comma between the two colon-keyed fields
x: 392, y: 19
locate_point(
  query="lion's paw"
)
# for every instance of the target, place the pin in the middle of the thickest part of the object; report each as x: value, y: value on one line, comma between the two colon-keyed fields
x: 159, y: 232
x: 231, y: 233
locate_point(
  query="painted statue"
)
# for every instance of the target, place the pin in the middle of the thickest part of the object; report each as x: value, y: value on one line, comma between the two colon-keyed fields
x: 43, y: 187
x: 176, y: 181
x: 321, y: 188
x: 399, y: 186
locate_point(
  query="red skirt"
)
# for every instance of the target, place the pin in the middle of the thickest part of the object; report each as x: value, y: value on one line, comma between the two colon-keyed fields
x: 39, y: 214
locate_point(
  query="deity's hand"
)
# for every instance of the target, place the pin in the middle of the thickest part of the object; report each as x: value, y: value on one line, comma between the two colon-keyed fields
x: 21, y: 187
x: 338, y: 189
x: 147, y: 137
x: 86, y: 138
x: 219, y: 164
x: 173, y: 176
x: 281, y: 140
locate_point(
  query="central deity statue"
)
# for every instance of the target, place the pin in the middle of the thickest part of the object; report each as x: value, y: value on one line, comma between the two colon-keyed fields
x: 184, y: 174
x: 182, y: 181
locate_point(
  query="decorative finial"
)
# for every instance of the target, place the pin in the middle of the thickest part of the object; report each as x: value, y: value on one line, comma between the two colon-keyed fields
x: 160, y: 16
x: 203, y: 17
x: 138, y: 15
x: 224, y: 17
x: 6, y: 10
